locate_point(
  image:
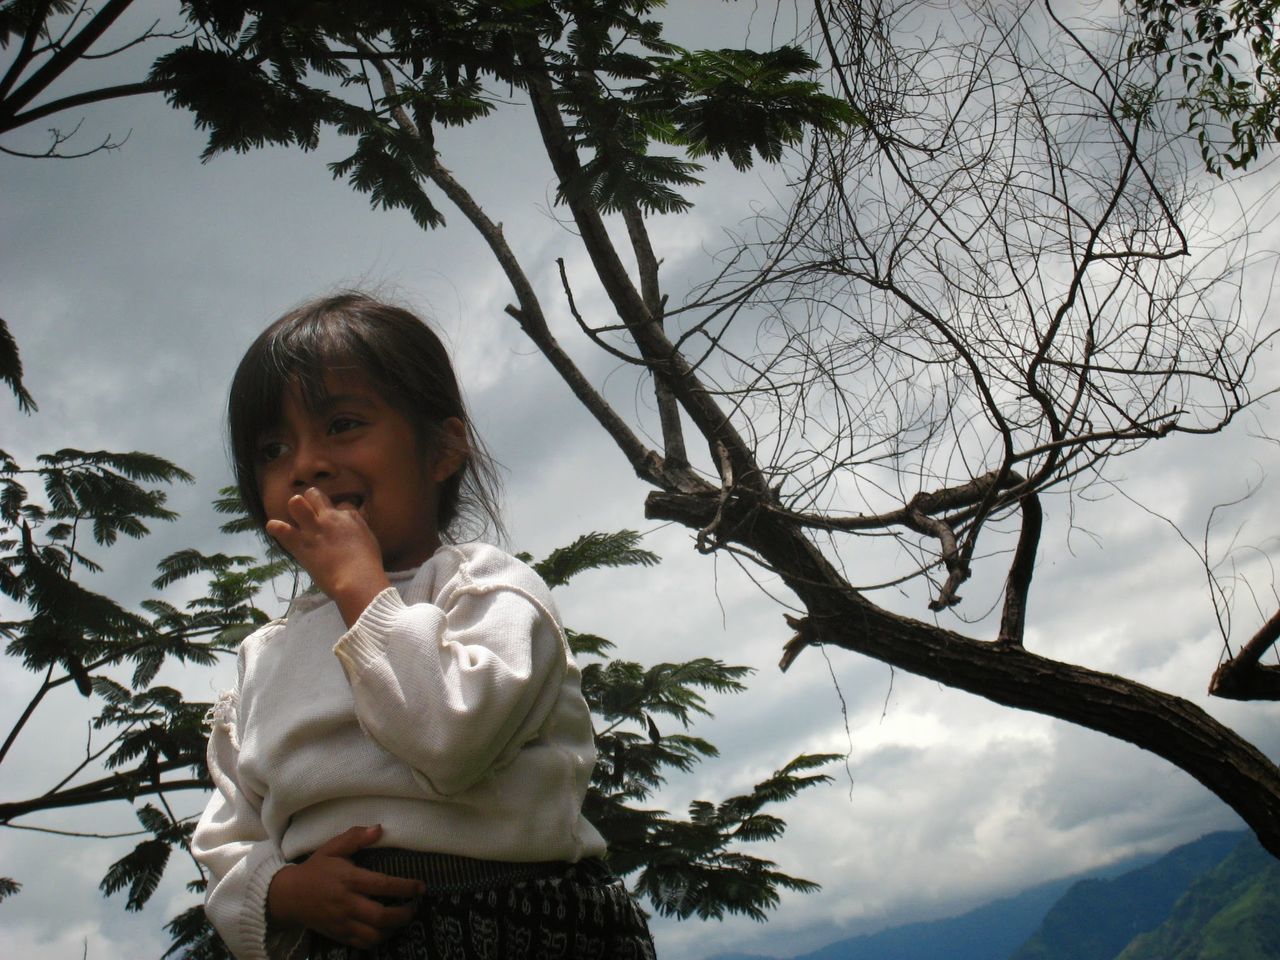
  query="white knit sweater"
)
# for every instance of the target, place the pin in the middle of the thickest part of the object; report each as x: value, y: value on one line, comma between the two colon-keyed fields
x: 450, y: 713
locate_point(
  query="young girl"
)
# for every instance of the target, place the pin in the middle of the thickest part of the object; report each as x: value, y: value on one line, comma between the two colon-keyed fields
x: 401, y: 767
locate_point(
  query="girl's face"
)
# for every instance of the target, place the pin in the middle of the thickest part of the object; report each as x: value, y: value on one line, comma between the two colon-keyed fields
x: 365, y: 456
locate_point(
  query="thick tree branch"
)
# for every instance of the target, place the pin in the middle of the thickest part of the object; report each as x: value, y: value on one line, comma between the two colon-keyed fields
x: 647, y: 265
x: 1244, y: 677
x: 62, y: 60
x: 1166, y: 725
x: 79, y: 100
x: 654, y: 345
x: 117, y: 786
x: 1013, y: 619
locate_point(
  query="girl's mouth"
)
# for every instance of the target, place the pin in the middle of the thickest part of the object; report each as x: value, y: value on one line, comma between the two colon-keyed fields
x: 355, y: 499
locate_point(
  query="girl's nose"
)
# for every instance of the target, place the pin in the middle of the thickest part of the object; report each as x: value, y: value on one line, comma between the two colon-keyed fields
x: 311, y: 462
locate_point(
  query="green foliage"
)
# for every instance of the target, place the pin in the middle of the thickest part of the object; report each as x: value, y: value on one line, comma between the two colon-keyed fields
x: 269, y: 74
x: 192, y: 937
x: 141, y: 869
x: 693, y: 867
x: 71, y: 626
x: 241, y: 105
x: 589, y: 552
x: 146, y: 737
x: 685, y: 867
x: 11, y: 363
x: 1226, y: 57
x: 8, y: 887
x: 17, y: 16
x: 389, y: 165
x: 736, y: 103
x: 1232, y: 912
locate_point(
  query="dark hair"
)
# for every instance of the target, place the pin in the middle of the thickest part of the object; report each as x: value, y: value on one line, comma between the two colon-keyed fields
x: 405, y: 363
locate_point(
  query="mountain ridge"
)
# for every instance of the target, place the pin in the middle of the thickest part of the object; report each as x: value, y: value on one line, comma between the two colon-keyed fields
x: 1132, y: 898
x: 1097, y: 918
x: 1232, y: 912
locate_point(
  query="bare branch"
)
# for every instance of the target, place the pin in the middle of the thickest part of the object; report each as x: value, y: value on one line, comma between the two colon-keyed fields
x: 73, y: 101
x: 668, y: 411
x: 119, y: 786
x: 528, y: 313
x: 657, y: 350
x: 63, y: 58
x: 1014, y: 617
x: 1164, y: 724
x: 1244, y: 677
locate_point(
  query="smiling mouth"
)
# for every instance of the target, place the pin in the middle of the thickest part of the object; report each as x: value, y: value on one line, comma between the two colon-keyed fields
x: 355, y: 499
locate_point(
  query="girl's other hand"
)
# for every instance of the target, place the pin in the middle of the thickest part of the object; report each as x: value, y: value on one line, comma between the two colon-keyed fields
x: 331, y: 895
x: 336, y: 547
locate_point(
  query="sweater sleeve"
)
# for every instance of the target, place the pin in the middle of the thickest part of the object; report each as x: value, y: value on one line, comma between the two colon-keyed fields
x: 232, y: 844
x: 455, y: 689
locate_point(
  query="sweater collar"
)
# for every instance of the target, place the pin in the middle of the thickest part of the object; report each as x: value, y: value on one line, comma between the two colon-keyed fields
x: 312, y: 598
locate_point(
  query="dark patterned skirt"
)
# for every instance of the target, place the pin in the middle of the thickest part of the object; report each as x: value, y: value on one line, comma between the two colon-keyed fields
x: 483, y: 910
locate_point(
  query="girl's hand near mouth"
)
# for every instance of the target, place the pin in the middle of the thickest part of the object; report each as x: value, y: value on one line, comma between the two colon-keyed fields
x: 336, y: 547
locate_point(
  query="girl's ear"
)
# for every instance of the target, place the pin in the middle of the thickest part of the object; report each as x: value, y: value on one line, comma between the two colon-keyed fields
x: 453, y: 451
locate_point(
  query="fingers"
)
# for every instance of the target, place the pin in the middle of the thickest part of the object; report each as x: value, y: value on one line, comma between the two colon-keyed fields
x: 370, y: 883
x: 317, y: 499
x: 304, y: 510
x: 370, y: 923
x: 279, y: 529
x: 349, y: 841
x: 366, y: 920
x: 381, y: 917
x: 305, y: 507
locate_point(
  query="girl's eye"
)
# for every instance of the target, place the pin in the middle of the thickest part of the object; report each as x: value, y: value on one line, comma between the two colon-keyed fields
x: 343, y: 424
x: 271, y: 450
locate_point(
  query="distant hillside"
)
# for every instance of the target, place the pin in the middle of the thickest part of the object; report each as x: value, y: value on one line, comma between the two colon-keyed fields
x: 1003, y: 923
x: 988, y: 933
x: 1099, y: 918
x: 1231, y: 913
x: 1217, y: 898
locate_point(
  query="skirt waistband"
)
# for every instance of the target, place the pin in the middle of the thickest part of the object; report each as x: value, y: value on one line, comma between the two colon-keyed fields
x: 447, y: 873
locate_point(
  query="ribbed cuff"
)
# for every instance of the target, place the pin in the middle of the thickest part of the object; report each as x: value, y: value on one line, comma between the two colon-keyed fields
x: 366, y: 641
x: 253, y: 922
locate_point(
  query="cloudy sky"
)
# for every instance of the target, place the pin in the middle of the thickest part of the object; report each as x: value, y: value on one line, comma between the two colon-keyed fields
x: 134, y: 279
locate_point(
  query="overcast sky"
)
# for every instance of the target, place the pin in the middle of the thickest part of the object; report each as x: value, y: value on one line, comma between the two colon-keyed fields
x: 133, y: 280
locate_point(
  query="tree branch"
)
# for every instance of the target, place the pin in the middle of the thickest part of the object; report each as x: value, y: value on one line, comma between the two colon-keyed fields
x: 1180, y: 732
x: 79, y: 100
x: 647, y: 264
x: 1243, y: 677
x: 118, y: 786
x: 65, y: 57
x: 21, y: 722
x: 1014, y: 616
x: 654, y: 346
x: 528, y: 313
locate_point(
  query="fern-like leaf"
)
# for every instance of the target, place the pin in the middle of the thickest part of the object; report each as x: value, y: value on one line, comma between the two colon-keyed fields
x: 592, y: 551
